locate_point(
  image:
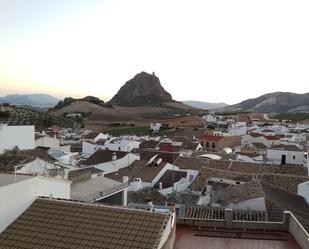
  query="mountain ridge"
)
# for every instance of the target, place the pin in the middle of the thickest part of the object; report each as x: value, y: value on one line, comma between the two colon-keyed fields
x: 278, y: 102
x: 36, y: 100
x: 204, y: 105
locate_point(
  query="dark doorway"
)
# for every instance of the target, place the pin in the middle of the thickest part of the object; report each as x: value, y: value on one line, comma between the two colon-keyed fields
x: 283, y: 159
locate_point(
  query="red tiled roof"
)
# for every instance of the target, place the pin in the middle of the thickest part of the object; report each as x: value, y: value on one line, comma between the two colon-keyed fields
x: 254, y: 134
x: 270, y: 137
x: 168, y: 147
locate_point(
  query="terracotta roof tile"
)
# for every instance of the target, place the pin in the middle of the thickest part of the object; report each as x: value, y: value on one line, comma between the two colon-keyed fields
x: 150, y: 144
x: 65, y: 224
x: 103, y: 156
x: 9, y: 159
x: 138, y: 169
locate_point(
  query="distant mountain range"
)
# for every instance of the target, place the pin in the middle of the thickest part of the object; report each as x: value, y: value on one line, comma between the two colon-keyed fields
x: 278, y: 102
x: 35, y: 100
x: 146, y: 90
x: 204, y: 105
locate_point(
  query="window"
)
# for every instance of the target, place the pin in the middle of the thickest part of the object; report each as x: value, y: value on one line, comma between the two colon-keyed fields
x: 213, y: 145
x: 207, y: 144
x: 293, y: 156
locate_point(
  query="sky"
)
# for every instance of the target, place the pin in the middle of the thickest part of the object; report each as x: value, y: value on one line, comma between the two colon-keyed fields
x: 214, y: 51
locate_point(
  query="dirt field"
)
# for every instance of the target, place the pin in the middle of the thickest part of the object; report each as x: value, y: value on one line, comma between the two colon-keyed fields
x: 104, y: 114
x: 104, y: 117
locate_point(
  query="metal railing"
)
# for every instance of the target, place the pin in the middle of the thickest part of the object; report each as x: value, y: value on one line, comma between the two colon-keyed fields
x: 106, y: 192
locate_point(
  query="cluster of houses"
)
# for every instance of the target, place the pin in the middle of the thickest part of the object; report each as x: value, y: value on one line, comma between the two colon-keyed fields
x: 256, y: 167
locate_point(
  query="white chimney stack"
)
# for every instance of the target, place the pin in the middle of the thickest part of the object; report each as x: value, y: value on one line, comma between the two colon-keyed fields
x: 114, y: 156
x: 125, y: 179
x: 151, y: 206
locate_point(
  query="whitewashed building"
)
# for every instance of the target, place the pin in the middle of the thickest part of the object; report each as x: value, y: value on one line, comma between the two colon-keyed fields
x: 286, y: 154
x: 155, y: 127
x: 110, y: 161
x: 88, y: 148
x: 20, y: 136
x: 18, y: 192
x: 237, y: 129
x: 46, y: 141
x: 251, y: 138
x: 303, y: 190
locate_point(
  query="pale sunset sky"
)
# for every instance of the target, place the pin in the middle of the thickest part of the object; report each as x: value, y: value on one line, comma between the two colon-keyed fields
x: 215, y: 51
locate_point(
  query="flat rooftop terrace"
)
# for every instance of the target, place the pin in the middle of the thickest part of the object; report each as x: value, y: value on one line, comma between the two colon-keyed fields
x: 186, y: 239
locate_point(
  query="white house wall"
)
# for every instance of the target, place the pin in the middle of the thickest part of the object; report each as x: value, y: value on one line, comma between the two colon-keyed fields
x: 114, y: 166
x: 100, y: 136
x: 168, y: 166
x: 167, y: 231
x: 183, y: 183
x: 21, y: 136
x: 17, y: 197
x: 47, y: 141
x: 88, y: 148
x: 303, y: 190
x: 276, y: 155
x: 248, y: 139
x: 37, y: 166
x: 122, y: 146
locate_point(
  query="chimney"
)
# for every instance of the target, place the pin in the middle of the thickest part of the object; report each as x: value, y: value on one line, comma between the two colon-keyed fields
x: 151, y: 206
x: 125, y: 179
x: 114, y: 156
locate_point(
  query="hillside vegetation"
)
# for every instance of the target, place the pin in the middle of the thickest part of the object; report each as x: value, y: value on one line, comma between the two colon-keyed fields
x: 12, y: 115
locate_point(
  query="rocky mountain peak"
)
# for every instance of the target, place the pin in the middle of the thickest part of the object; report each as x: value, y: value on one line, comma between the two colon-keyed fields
x: 142, y: 89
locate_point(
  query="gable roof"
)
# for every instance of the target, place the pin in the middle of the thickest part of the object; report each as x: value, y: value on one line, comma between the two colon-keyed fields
x: 168, y: 157
x: 9, y: 159
x: 269, y: 137
x: 168, y: 147
x: 92, y: 135
x: 278, y: 200
x: 286, y: 178
x: 189, y: 163
x: 50, y: 223
x: 103, y: 156
x: 289, y: 147
x: 138, y: 169
x: 146, y: 195
x: 150, y: 144
x: 169, y: 177
x: 187, y: 143
x: 240, y: 192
